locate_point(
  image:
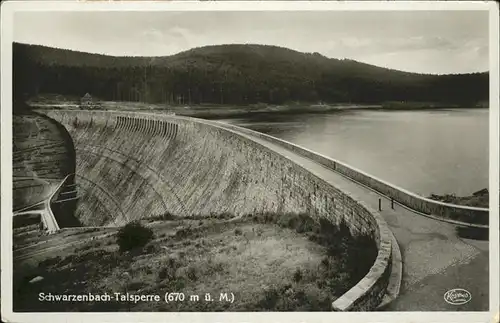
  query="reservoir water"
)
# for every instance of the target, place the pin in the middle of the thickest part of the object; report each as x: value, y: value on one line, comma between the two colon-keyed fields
x: 440, y: 151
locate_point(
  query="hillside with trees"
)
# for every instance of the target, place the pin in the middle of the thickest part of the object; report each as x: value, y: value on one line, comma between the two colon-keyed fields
x: 232, y: 74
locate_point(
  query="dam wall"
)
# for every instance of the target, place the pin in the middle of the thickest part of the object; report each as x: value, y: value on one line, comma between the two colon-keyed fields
x: 466, y: 215
x: 137, y: 165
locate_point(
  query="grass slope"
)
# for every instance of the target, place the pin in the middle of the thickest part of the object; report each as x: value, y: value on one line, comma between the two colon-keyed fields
x: 269, y: 262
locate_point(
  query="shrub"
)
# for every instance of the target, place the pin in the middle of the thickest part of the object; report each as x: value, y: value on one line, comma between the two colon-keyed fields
x: 191, y: 273
x: 136, y: 285
x: 183, y: 233
x: 164, y: 273
x: 179, y: 284
x: 270, y: 299
x: 151, y: 249
x: 133, y: 235
x: 50, y: 262
x: 297, y: 276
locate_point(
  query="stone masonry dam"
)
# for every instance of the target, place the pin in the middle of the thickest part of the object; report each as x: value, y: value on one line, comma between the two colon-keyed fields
x: 132, y: 165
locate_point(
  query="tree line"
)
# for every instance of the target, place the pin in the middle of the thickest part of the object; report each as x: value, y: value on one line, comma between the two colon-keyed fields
x: 232, y: 74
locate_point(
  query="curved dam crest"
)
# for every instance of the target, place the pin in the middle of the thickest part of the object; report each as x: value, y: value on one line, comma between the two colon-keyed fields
x: 134, y: 165
x: 456, y: 214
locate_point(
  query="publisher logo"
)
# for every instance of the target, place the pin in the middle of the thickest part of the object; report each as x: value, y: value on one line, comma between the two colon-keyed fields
x: 457, y: 296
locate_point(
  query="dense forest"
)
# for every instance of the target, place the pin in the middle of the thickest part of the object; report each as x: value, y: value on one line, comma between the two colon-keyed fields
x: 232, y: 74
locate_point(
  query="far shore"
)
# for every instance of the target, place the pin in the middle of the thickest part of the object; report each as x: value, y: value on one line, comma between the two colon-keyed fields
x: 213, y: 111
x: 477, y: 199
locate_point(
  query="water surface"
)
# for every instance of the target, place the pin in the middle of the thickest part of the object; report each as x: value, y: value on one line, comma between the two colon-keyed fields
x: 441, y: 151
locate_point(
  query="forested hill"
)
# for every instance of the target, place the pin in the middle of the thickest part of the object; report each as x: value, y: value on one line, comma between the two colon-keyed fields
x: 232, y: 74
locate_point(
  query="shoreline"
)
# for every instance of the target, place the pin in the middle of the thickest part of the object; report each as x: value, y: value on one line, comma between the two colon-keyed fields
x: 212, y: 111
x: 477, y: 199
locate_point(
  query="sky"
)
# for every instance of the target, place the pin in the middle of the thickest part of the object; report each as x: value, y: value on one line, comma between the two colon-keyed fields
x: 437, y: 42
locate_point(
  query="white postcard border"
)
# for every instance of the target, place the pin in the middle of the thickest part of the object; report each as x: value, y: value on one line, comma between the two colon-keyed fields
x: 8, y: 10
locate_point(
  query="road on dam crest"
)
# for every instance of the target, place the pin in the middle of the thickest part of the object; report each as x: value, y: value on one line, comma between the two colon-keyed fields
x: 435, y: 258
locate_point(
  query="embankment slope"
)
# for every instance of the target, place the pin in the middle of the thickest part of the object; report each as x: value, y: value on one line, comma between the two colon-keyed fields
x: 43, y: 155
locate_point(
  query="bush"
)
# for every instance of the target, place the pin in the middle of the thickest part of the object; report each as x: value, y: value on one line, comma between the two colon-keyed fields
x: 164, y: 273
x: 163, y: 217
x: 50, y: 262
x: 191, y: 273
x: 297, y: 276
x: 151, y: 249
x: 270, y: 299
x: 133, y: 235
